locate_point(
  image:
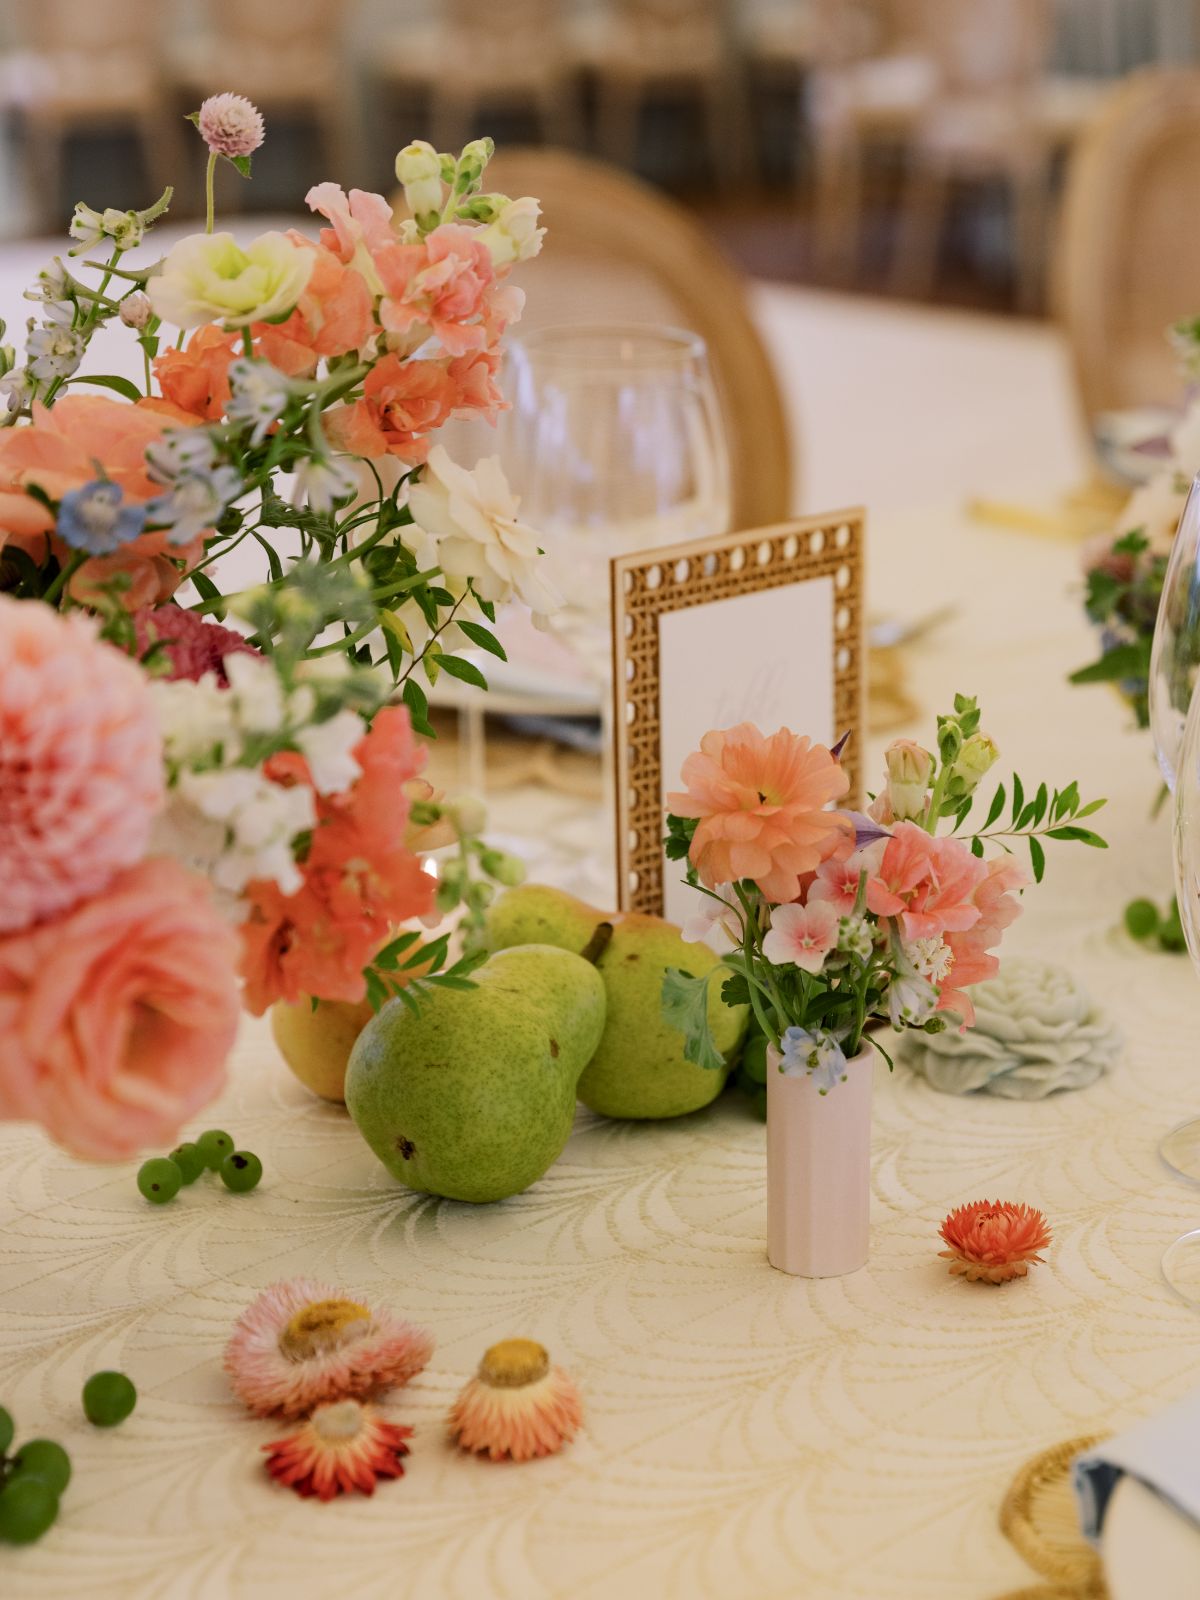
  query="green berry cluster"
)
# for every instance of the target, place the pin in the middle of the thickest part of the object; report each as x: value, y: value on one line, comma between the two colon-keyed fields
x: 162, y: 1178
x: 34, y: 1477
x: 1143, y: 922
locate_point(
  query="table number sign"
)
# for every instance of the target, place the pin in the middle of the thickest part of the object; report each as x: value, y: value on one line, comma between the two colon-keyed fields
x: 762, y: 626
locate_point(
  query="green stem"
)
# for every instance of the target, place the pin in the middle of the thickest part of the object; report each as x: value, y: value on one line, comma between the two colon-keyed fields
x: 933, y: 810
x: 248, y: 343
x: 64, y: 577
x: 210, y: 215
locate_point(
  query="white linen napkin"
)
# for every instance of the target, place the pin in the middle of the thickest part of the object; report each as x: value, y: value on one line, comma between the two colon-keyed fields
x: 1163, y: 1452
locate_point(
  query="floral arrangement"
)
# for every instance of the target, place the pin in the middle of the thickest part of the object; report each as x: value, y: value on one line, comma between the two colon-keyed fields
x: 212, y: 794
x: 838, y: 919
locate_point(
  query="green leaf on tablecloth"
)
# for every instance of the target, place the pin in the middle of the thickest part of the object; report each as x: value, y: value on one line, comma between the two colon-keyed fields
x: 685, y: 1008
x: 1038, y: 857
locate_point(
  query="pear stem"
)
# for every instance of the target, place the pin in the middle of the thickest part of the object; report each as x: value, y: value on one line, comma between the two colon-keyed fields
x: 598, y: 943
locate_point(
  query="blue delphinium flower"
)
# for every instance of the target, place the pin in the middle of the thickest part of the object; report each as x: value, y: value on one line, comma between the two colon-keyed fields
x: 817, y: 1055
x: 96, y: 518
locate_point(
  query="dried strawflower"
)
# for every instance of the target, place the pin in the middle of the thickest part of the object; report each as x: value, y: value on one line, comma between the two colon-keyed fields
x: 991, y: 1241
x: 230, y: 125
x: 341, y: 1447
x: 302, y: 1343
x: 518, y: 1405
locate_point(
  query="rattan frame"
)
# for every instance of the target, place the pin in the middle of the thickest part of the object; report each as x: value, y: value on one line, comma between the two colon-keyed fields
x: 653, y: 582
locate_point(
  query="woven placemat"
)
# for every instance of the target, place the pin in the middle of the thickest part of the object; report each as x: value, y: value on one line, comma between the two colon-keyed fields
x: 1039, y: 1517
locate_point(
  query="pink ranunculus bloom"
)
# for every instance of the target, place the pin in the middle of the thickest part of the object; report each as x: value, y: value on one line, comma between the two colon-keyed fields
x: 116, y: 1017
x: 836, y: 880
x: 973, y: 962
x: 81, y: 773
x: 760, y: 804
x: 801, y: 936
x: 441, y: 284
x: 927, y: 882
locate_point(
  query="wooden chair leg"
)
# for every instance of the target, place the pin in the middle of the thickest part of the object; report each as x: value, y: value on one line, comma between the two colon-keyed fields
x: 924, y: 199
x: 618, y: 116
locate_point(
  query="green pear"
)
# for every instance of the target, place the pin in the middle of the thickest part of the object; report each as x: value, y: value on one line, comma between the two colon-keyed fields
x: 474, y: 1098
x: 639, y: 1069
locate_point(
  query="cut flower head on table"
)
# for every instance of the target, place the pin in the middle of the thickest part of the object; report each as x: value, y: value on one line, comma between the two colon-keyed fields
x: 241, y: 764
x: 839, y: 919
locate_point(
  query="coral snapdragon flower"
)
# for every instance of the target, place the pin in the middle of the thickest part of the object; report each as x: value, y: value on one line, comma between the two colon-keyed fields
x: 761, y: 807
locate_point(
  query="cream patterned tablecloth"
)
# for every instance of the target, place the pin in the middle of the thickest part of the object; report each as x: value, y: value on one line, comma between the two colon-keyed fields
x: 749, y: 1436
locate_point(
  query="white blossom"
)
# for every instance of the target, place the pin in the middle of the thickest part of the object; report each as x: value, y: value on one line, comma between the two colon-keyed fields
x: 328, y: 747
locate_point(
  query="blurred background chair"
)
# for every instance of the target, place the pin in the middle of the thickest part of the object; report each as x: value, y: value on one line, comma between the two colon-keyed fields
x: 295, y: 73
x: 89, y: 68
x: 477, y: 58
x: 644, y: 50
x: 1129, y: 260
x: 624, y: 253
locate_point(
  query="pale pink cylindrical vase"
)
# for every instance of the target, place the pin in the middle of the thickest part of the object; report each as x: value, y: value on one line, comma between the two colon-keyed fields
x: 819, y: 1171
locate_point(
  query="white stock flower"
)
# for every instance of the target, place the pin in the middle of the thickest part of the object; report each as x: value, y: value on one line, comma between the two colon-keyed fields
x: 321, y: 484
x: 328, y: 747
x: 210, y: 278
x: 515, y: 235
x: 195, y: 718
x: 472, y: 518
x: 259, y: 819
x: 255, y: 692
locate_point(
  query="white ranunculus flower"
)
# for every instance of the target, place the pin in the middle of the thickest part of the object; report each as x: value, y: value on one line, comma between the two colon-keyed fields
x: 210, y: 278
x: 472, y: 519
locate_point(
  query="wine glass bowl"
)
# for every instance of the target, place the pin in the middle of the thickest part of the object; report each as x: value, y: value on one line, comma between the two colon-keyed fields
x: 1175, y: 653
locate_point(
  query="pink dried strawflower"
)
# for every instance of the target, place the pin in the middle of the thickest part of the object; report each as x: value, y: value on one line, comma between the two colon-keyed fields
x: 992, y: 1241
x: 230, y: 125
x: 303, y: 1343
x: 341, y: 1447
x: 81, y: 772
x: 518, y: 1405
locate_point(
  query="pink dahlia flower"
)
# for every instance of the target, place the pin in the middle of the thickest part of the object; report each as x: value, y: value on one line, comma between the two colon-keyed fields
x: 517, y: 1405
x: 301, y: 1344
x: 760, y: 804
x: 116, y: 1017
x: 191, y: 645
x: 81, y: 773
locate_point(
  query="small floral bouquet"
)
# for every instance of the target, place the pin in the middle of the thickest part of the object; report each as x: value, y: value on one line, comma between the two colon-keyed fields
x: 838, y: 919
x: 193, y: 814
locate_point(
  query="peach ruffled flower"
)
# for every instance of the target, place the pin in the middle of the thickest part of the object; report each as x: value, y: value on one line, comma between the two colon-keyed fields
x: 360, y: 878
x: 60, y: 450
x: 341, y: 1447
x: 993, y: 1241
x: 441, y: 284
x: 761, y: 808
x: 117, y: 1016
x: 302, y: 1343
x: 196, y: 378
x: 81, y: 775
x: 403, y: 402
x: 333, y: 317
x: 971, y: 957
x: 927, y: 882
x: 517, y: 1405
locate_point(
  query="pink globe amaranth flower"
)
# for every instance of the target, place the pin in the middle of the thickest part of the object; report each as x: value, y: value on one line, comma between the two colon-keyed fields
x: 303, y: 1343
x: 81, y: 774
x: 230, y: 125
x: 993, y: 1241
x: 190, y: 645
x: 341, y: 1447
x: 517, y: 1406
x: 927, y: 882
x: 801, y: 936
x: 116, y: 1017
x: 761, y: 808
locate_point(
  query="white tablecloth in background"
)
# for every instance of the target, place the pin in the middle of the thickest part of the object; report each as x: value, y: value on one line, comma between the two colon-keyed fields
x: 749, y: 1436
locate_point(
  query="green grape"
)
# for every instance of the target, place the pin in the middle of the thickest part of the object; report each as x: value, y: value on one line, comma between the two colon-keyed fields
x: 44, y: 1459
x: 754, y: 1058
x: 159, y: 1180
x: 1141, y: 918
x: 27, y: 1508
x: 108, y: 1398
x: 188, y: 1159
x: 214, y: 1146
x: 241, y: 1171
x: 6, y: 1430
